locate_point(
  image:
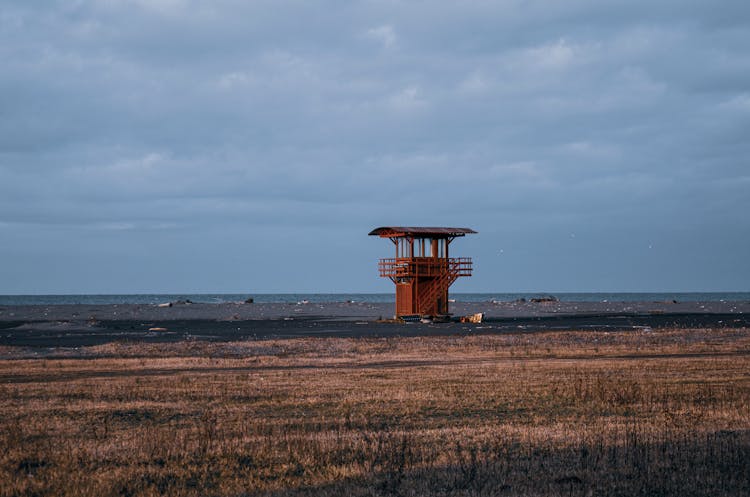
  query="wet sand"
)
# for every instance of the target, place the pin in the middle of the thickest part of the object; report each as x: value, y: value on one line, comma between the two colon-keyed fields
x: 47, y: 326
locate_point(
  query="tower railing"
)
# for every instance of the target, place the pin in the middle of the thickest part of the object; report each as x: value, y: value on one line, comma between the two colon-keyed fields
x: 424, y: 267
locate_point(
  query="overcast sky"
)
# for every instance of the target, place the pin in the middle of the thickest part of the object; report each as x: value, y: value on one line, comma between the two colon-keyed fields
x: 232, y: 146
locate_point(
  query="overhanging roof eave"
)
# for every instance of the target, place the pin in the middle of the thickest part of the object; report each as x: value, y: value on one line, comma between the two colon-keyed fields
x: 398, y: 231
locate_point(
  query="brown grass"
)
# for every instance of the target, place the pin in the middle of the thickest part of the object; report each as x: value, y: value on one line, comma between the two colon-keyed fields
x: 579, y: 413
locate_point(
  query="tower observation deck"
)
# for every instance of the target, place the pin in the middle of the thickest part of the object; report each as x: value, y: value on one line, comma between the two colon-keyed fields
x: 422, y: 269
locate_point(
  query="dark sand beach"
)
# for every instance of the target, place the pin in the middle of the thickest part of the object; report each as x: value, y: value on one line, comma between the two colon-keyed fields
x: 48, y: 326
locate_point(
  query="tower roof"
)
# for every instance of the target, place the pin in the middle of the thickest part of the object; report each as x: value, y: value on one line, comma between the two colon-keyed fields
x: 390, y: 231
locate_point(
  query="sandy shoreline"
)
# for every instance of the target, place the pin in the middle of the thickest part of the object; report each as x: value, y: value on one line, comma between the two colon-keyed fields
x: 350, y: 310
x: 49, y: 326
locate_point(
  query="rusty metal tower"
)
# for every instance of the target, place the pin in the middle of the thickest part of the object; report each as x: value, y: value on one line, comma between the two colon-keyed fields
x: 422, y: 270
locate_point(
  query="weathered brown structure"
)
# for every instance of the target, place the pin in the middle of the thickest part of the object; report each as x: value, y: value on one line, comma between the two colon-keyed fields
x: 422, y: 270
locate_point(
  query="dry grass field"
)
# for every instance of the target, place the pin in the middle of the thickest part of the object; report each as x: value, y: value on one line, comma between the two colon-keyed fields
x: 656, y: 413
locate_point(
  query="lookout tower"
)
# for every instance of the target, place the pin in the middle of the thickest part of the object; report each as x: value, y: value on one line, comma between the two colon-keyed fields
x: 422, y: 270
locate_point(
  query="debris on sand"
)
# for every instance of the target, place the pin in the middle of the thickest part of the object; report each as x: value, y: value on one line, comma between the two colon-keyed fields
x: 409, y: 318
x: 472, y: 318
x: 165, y: 304
x: 249, y: 300
x: 545, y: 299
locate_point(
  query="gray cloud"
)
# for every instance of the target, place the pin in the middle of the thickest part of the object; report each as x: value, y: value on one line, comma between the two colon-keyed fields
x: 224, y: 132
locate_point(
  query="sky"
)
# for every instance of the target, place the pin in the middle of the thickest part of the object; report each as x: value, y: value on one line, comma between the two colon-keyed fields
x: 178, y: 146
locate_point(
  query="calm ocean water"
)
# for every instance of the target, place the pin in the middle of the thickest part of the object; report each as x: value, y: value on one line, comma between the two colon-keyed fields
x: 213, y: 298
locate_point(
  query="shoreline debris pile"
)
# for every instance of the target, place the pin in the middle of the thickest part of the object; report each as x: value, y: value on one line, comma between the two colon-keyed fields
x: 472, y: 318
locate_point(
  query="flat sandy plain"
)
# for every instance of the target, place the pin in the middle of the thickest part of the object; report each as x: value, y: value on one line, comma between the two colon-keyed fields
x: 71, y: 326
x: 540, y: 400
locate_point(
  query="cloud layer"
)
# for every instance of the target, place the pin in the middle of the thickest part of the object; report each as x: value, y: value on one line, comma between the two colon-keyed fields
x: 178, y: 145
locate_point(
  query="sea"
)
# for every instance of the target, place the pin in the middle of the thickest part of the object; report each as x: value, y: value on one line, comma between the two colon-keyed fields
x: 218, y: 298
